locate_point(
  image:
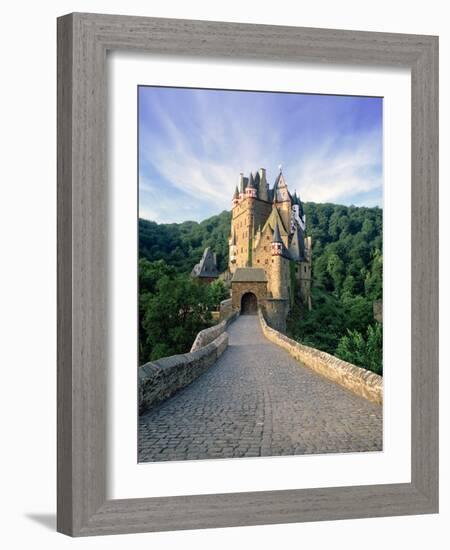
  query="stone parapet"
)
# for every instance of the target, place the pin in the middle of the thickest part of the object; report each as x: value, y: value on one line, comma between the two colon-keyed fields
x: 356, y: 379
x: 207, y: 335
x: 160, y: 379
x: 226, y: 309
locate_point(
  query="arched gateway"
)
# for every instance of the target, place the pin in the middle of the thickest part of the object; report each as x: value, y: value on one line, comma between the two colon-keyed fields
x: 249, y: 304
x: 248, y: 290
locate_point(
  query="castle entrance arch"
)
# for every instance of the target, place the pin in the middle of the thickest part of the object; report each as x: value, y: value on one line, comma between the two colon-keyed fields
x: 249, y: 304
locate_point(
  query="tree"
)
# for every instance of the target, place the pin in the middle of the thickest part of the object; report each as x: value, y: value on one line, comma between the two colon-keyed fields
x: 217, y: 291
x: 336, y: 269
x: 173, y: 308
x: 363, y: 350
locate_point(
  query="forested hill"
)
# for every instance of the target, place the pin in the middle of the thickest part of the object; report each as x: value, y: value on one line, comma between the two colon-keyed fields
x: 347, y: 248
x: 182, y: 244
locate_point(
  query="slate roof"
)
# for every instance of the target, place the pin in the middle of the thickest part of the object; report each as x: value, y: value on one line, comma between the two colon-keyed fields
x: 297, y: 246
x: 275, y: 219
x: 249, y: 275
x: 206, y: 266
x: 276, y: 235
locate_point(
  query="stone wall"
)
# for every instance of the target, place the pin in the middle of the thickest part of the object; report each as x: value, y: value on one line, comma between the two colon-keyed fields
x: 226, y: 308
x: 356, y: 379
x: 207, y: 335
x: 160, y: 379
x: 275, y: 312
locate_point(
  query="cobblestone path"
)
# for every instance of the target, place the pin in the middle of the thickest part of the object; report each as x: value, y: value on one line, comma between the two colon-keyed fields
x: 258, y: 401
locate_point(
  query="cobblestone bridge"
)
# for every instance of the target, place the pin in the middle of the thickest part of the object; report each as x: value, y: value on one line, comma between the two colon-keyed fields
x: 258, y: 401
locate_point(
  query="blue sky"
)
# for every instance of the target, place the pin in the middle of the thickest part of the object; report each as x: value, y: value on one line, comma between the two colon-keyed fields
x: 194, y: 143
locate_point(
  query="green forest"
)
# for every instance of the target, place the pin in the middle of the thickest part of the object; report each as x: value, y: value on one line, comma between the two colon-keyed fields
x: 347, y: 269
x: 347, y: 278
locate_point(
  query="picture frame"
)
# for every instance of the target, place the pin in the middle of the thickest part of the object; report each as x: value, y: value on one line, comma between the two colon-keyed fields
x: 83, y: 41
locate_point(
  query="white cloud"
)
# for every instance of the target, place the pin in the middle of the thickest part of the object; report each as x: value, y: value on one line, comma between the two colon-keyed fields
x: 336, y: 173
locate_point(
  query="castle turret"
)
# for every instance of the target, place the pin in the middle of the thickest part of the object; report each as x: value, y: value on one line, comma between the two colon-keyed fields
x: 250, y: 190
x: 277, y: 251
x: 235, y: 200
x: 277, y: 242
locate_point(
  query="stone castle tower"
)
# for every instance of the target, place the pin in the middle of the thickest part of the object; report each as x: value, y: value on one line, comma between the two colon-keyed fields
x: 269, y: 252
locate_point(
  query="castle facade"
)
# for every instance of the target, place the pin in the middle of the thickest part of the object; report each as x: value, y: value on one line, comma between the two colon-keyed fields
x: 269, y: 252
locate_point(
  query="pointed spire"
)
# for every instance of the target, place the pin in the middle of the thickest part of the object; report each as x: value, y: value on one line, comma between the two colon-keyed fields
x: 250, y: 180
x: 241, y: 183
x: 276, y: 234
x: 236, y: 193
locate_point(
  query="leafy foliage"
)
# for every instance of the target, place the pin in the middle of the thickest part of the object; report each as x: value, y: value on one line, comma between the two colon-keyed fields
x: 347, y: 272
x: 182, y: 244
x: 363, y: 349
x: 217, y: 291
x: 173, y: 308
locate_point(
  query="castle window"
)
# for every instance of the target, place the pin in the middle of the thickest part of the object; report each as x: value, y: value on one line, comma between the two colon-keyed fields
x: 268, y: 237
x: 272, y: 261
x: 305, y: 268
x: 267, y: 261
x: 257, y: 261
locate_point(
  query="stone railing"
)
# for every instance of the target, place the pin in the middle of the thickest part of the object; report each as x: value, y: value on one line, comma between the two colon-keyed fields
x: 160, y: 379
x: 356, y: 379
x: 226, y: 308
x: 207, y: 335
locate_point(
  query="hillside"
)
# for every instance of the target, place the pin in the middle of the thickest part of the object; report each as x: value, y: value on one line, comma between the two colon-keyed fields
x: 181, y: 244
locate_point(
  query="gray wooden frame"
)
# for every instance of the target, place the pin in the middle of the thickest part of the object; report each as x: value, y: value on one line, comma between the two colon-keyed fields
x: 83, y: 40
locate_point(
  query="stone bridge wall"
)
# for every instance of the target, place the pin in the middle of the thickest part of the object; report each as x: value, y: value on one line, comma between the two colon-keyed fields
x: 206, y: 336
x: 226, y: 309
x: 160, y: 379
x: 356, y: 379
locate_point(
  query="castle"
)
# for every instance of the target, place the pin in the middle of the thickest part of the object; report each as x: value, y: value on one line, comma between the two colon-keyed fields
x: 269, y: 252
